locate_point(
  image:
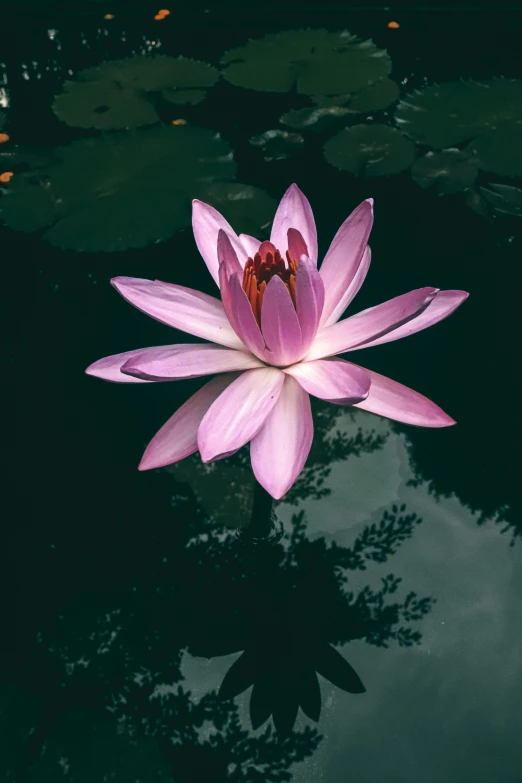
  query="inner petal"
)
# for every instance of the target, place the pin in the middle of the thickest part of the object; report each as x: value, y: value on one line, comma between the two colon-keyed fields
x: 267, y: 263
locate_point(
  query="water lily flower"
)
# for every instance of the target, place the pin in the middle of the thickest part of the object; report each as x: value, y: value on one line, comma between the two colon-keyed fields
x: 275, y: 336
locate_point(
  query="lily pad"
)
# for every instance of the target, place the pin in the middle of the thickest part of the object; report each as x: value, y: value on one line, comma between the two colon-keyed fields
x: 505, y: 199
x: 313, y: 62
x: 499, y: 151
x: 450, y: 170
x: 453, y: 112
x: 247, y: 208
x: 120, y: 191
x: 314, y: 118
x: 116, y: 94
x: 374, y: 150
x: 378, y: 96
x: 278, y: 144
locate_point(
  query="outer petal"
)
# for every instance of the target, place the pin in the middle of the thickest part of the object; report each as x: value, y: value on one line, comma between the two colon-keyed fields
x: 352, y: 290
x: 443, y: 304
x: 226, y: 254
x: 180, y: 307
x: 294, y: 211
x: 334, y: 380
x: 108, y: 368
x: 356, y: 331
x: 251, y: 245
x: 280, y: 325
x: 344, y: 256
x: 206, y: 222
x: 187, y: 361
x: 244, y: 318
x: 309, y: 299
x: 177, y: 438
x: 280, y: 448
x: 239, y: 413
x: 395, y: 401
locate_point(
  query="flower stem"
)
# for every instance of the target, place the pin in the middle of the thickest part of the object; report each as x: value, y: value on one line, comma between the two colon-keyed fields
x: 261, y: 519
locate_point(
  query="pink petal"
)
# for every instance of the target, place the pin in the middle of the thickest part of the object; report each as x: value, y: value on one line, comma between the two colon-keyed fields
x: 109, y: 367
x: 344, y: 257
x: 239, y: 413
x: 180, y: 307
x: 251, y: 245
x: 280, y: 325
x: 296, y: 244
x: 206, y: 222
x: 178, y: 438
x: 280, y: 448
x: 227, y: 255
x: 246, y: 324
x: 356, y: 331
x: 226, y: 297
x: 334, y: 380
x: 294, y: 211
x: 352, y: 290
x: 309, y: 299
x: 443, y: 304
x: 173, y: 362
x: 266, y: 247
x: 394, y: 401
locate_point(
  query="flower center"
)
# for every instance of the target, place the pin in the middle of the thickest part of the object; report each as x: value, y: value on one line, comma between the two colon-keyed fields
x: 260, y: 270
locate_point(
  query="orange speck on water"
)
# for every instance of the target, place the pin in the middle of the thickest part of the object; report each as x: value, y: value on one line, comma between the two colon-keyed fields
x: 393, y: 25
x: 109, y: 16
x: 164, y: 12
x: 179, y: 122
x: 159, y: 17
x: 3, y: 138
x: 6, y: 176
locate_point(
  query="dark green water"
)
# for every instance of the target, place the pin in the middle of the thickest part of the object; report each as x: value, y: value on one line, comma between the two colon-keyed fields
x: 130, y: 595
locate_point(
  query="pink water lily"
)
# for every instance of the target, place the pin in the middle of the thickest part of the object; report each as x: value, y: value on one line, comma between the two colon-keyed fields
x: 274, y: 339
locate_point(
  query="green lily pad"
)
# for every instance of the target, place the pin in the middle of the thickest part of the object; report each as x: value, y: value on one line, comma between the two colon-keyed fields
x: 313, y: 62
x: 453, y: 112
x: 504, y: 199
x: 378, y: 96
x: 278, y: 144
x: 331, y: 100
x: 247, y: 208
x: 120, y: 191
x: 499, y: 151
x: 451, y: 170
x: 116, y: 94
x: 374, y: 150
x: 314, y: 118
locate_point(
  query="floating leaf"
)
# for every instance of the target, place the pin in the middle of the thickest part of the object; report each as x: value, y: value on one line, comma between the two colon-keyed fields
x: 499, y: 151
x: 376, y: 97
x: 374, y: 150
x: 278, y: 144
x: 331, y: 100
x: 504, y: 198
x: 453, y: 112
x: 120, y: 191
x: 477, y: 203
x: 314, y: 62
x: 451, y: 170
x: 115, y: 94
x: 316, y: 119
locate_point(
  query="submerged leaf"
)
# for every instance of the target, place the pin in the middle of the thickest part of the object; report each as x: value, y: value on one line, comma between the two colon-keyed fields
x: 499, y: 151
x: 119, y: 191
x: 115, y: 94
x: 450, y: 170
x: 314, y: 62
x: 453, y: 112
x: 374, y: 150
x: 278, y: 144
x: 314, y: 118
x: 378, y: 96
x: 505, y: 199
